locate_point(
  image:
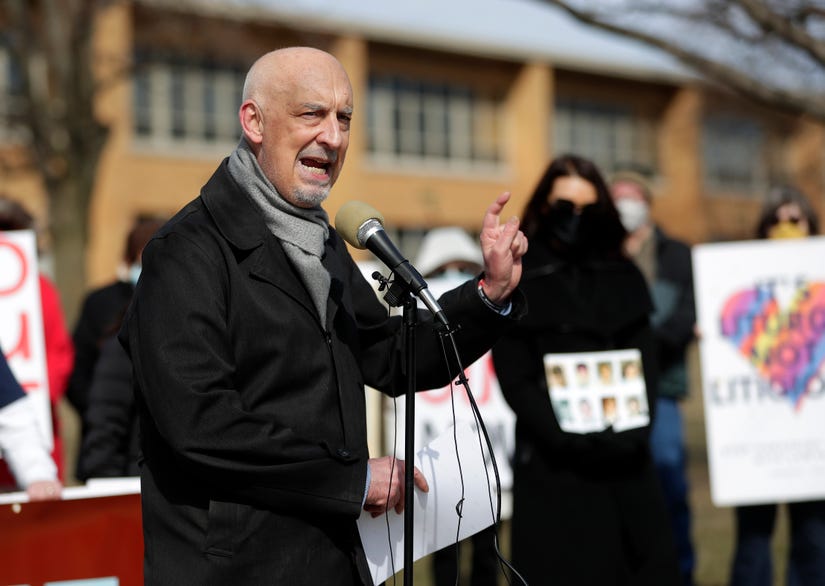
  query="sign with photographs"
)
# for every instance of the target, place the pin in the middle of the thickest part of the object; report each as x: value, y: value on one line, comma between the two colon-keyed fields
x: 761, y: 312
x: 591, y: 391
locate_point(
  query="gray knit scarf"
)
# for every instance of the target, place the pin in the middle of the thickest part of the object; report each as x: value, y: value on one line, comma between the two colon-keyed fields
x: 301, y: 231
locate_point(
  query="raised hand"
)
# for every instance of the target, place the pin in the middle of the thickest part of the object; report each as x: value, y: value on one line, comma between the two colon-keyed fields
x: 502, y: 246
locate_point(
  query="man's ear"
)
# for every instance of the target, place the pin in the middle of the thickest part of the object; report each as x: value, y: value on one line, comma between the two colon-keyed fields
x: 252, y: 122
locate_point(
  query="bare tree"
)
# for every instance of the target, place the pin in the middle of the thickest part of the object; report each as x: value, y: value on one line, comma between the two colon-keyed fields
x: 771, y: 51
x: 51, y: 115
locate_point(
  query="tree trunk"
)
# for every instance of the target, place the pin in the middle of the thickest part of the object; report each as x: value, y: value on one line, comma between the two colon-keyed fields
x: 69, y: 232
x: 69, y: 198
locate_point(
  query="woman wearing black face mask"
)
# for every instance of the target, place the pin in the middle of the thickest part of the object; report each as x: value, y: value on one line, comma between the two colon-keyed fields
x: 587, y: 507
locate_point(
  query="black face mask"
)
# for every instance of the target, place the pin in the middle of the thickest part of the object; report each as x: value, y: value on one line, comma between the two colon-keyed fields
x: 590, y: 232
x: 564, y: 224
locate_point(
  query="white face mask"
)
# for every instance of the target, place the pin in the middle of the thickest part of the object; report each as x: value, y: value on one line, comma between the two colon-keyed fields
x: 633, y: 213
x: 134, y: 273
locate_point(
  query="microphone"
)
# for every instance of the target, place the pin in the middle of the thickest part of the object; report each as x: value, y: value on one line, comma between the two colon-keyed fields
x: 363, y: 227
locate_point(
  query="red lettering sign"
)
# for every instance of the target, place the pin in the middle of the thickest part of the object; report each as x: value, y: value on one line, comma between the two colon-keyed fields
x: 23, y: 348
x: 24, y: 267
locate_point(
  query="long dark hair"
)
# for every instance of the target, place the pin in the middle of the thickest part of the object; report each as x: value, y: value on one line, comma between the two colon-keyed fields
x: 611, y: 234
x: 13, y: 216
x: 781, y: 196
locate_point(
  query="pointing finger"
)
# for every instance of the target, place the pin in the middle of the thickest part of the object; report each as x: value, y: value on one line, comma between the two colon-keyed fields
x: 491, y: 217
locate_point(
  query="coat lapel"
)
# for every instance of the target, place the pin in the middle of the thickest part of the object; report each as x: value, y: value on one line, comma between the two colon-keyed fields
x: 338, y: 275
x: 240, y: 223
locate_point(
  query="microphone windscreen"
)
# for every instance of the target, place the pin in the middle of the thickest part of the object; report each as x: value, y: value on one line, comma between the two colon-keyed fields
x: 351, y: 217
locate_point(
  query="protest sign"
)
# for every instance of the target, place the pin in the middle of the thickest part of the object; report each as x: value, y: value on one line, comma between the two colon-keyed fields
x: 761, y: 314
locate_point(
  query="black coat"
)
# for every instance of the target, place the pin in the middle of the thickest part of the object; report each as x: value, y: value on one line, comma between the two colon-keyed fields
x: 587, y: 508
x: 99, y: 320
x: 110, y: 439
x: 674, y: 318
x: 253, y: 411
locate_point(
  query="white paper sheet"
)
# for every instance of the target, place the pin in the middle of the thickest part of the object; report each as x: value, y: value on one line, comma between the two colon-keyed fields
x: 435, y: 520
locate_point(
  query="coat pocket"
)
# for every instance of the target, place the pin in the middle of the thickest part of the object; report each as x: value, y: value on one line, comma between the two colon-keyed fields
x: 225, y: 527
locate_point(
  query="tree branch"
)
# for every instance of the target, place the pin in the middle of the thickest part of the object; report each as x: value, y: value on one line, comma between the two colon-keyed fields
x: 742, y: 83
x: 785, y: 29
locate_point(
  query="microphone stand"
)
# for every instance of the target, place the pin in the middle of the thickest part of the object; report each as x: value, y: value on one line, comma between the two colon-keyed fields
x: 399, y: 295
x: 409, y: 319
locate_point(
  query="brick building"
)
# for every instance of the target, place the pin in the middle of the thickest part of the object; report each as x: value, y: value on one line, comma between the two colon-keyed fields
x: 449, y: 112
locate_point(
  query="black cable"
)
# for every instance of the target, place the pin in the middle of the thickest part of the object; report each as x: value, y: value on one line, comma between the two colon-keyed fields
x: 481, y: 429
x: 459, y: 507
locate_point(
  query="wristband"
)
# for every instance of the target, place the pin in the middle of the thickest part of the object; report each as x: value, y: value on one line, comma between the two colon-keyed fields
x: 500, y: 309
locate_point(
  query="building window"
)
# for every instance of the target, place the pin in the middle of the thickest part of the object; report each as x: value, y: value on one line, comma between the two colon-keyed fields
x: 434, y: 124
x: 610, y: 135
x: 733, y: 150
x: 408, y: 239
x: 5, y: 88
x: 11, y: 98
x: 142, y: 102
x: 186, y: 104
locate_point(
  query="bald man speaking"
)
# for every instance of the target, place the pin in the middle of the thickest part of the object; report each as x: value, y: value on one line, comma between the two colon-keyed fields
x: 252, y: 334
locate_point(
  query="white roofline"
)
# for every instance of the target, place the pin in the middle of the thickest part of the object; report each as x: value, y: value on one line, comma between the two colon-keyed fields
x: 544, y: 34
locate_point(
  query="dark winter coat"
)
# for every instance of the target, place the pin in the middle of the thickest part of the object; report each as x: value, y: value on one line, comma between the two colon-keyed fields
x: 674, y: 317
x: 110, y: 440
x: 99, y: 320
x: 587, y: 508
x: 253, y: 411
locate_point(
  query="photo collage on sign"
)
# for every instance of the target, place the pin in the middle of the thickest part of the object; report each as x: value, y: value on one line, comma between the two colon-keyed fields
x: 591, y: 391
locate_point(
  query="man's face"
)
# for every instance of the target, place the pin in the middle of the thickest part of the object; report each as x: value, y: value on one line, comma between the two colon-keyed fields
x: 632, y: 205
x: 627, y: 190
x: 306, y: 132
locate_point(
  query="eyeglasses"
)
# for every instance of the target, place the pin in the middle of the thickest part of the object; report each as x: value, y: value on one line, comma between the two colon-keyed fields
x: 792, y: 219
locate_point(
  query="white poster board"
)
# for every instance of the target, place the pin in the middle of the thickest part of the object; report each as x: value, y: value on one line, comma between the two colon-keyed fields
x: 434, y: 411
x: 761, y: 314
x: 434, y: 416
x: 21, y: 321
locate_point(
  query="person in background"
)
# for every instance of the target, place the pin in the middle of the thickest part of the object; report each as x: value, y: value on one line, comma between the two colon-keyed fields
x: 787, y: 213
x: 110, y: 445
x: 447, y: 258
x: 666, y: 264
x: 587, y: 507
x: 100, y: 388
x: 59, y: 348
x: 102, y: 312
x: 252, y: 334
x: 21, y: 443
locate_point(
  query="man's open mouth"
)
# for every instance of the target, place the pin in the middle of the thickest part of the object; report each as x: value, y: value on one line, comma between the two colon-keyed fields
x: 316, y: 166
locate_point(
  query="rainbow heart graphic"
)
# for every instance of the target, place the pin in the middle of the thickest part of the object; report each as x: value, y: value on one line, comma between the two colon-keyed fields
x: 786, y: 346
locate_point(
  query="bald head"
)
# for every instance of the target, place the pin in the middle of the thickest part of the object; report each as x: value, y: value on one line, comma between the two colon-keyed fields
x: 296, y: 112
x: 275, y: 70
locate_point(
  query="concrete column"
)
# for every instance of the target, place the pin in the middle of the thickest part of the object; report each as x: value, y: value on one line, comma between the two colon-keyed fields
x: 679, y: 206
x: 528, y: 129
